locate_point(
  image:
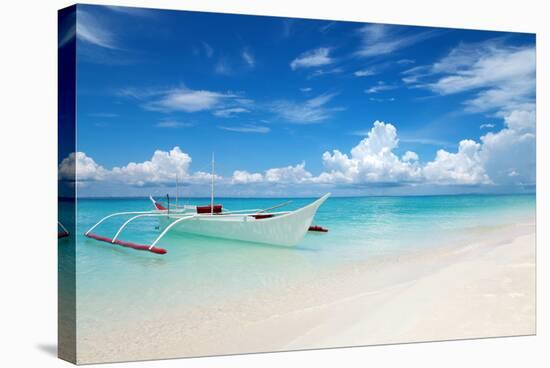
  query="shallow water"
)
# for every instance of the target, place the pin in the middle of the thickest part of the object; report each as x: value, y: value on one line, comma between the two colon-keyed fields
x: 116, y: 283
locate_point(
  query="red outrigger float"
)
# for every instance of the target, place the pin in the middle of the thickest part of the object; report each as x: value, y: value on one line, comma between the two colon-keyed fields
x: 63, y: 233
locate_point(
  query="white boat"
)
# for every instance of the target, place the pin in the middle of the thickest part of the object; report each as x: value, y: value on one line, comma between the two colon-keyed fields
x: 285, y: 228
x: 279, y: 228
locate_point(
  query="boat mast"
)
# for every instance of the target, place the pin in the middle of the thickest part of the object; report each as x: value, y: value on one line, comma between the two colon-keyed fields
x: 177, y: 191
x: 212, y: 188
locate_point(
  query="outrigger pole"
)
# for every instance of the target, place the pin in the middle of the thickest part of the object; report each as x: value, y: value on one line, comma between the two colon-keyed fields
x: 115, y: 240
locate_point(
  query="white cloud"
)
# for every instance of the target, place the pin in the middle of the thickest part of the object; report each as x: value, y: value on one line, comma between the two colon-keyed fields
x: 509, y: 155
x: 501, y: 76
x: 89, y: 30
x: 522, y: 119
x: 306, y: 112
x: 312, y: 58
x: 161, y: 168
x: 244, y: 177
x: 296, y: 174
x: 414, y: 75
x: 463, y: 167
x: 85, y: 168
x: 506, y: 157
x: 248, y: 58
x: 502, y: 80
x: 184, y: 99
x: 409, y: 156
x: 364, y: 73
x: 306, y: 89
x: 325, y: 28
x: 380, y: 39
x: 380, y: 87
x: 246, y: 128
x: 424, y: 141
x: 372, y: 160
x: 230, y: 112
x: 406, y: 61
x: 321, y: 72
x: 139, y: 12
x: 289, y: 174
x: 469, y: 67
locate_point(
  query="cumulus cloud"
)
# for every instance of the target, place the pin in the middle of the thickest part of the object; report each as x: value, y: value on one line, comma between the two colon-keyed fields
x: 84, y: 167
x: 244, y: 177
x: 372, y: 160
x: 409, y: 156
x: 289, y: 174
x: 312, y: 58
x: 463, y: 167
x: 501, y: 81
x: 162, y: 168
x: 509, y: 155
x: 505, y: 157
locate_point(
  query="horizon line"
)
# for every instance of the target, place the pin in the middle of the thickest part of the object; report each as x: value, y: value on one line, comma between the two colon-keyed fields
x: 306, y: 197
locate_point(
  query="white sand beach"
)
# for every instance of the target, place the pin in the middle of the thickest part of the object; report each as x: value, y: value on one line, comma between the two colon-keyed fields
x: 483, y: 287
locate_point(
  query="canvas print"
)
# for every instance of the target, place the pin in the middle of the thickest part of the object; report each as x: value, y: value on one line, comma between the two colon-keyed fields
x: 240, y: 184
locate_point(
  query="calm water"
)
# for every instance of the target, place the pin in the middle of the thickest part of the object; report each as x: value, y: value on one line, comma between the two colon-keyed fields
x: 114, y: 283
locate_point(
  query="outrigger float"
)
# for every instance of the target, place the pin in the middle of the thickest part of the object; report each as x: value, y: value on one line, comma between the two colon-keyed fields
x: 286, y: 228
x: 62, y: 231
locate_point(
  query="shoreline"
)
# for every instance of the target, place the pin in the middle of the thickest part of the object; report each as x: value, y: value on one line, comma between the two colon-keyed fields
x: 484, y: 287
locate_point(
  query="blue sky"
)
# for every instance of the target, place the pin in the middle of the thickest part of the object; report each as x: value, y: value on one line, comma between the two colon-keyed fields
x: 299, y: 107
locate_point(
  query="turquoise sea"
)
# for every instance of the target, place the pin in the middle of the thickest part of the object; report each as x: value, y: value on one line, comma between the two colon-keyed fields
x: 116, y: 283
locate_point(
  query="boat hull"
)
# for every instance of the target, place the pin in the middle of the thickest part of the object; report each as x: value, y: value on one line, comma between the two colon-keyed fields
x: 287, y: 229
